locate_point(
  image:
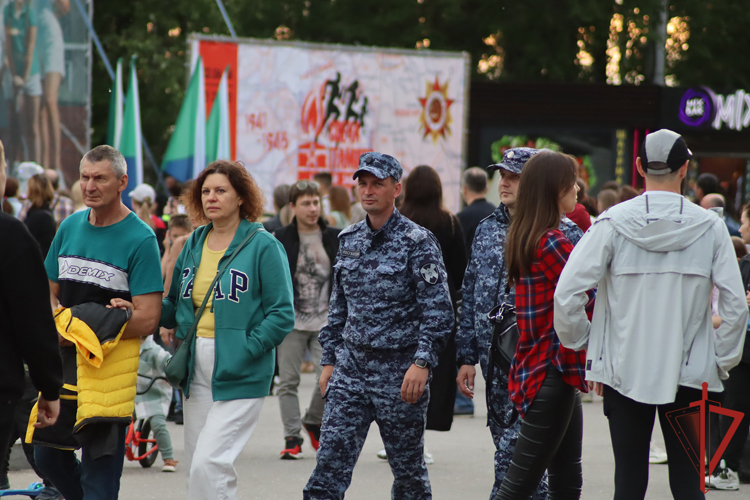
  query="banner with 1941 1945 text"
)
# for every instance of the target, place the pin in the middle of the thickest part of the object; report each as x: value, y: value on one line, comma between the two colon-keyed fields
x: 300, y: 108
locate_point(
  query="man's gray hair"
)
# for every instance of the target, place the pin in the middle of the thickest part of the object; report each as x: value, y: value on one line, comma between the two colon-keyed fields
x: 110, y: 154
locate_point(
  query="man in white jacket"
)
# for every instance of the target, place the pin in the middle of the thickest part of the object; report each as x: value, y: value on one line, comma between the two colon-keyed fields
x: 650, y: 345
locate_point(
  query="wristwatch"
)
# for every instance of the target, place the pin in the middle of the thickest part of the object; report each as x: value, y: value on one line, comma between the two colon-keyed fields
x: 421, y: 363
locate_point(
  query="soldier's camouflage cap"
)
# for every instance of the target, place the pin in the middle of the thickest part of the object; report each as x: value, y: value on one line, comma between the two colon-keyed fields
x: 514, y: 160
x: 380, y: 165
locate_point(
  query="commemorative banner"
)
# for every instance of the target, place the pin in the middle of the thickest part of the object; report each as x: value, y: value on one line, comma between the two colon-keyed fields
x: 301, y: 108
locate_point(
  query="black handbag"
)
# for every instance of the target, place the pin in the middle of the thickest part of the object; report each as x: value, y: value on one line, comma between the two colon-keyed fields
x: 177, y: 367
x: 502, y: 351
x: 504, y: 336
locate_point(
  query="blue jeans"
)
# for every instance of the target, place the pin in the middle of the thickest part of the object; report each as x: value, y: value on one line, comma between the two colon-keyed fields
x: 87, y: 479
x: 463, y: 404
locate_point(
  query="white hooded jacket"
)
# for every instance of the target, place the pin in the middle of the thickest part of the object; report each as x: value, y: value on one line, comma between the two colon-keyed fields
x: 654, y: 259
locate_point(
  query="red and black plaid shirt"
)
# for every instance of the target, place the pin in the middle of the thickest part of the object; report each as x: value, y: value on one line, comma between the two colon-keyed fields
x: 538, y: 345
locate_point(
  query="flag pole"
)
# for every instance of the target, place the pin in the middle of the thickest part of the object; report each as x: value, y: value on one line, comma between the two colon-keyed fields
x: 226, y: 18
x: 111, y: 72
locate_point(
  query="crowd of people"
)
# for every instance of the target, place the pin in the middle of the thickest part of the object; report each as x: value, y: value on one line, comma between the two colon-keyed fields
x: 637, y: 296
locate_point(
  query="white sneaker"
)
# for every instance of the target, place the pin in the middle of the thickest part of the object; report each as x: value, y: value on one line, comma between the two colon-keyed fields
x: 723, y: 479
x: 382, y: 454
x: 656, y: 455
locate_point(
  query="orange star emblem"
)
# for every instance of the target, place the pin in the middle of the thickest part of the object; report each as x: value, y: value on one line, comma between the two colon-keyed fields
x: 436, y: 117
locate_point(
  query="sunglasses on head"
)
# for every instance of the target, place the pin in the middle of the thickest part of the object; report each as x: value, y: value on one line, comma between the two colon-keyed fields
x: 301, y: 185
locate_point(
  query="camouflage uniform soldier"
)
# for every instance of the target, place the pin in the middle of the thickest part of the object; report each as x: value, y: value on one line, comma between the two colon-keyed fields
x: 481, y: 292
x: 390, y: 314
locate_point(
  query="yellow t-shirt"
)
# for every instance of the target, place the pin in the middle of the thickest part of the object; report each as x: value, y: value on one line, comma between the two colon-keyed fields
x: 205, y: 274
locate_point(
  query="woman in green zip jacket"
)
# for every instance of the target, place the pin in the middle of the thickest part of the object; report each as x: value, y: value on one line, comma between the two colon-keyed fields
x: 248, y: 315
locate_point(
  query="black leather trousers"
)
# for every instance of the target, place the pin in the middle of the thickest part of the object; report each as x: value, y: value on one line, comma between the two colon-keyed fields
x: 550, y: 439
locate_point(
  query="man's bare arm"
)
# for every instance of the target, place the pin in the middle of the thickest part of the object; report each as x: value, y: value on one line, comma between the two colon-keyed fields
x: 146, y: 313
x: 54, y: 294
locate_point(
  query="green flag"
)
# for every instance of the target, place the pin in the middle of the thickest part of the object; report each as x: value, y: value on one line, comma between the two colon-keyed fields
x: 217, y: 128
x: 186, y: 153
x: 130, y: 140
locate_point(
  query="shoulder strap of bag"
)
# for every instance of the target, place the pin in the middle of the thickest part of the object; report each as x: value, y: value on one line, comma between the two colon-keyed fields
x: 497, y: 419
x: 497, y: 289
x: 194, y: 326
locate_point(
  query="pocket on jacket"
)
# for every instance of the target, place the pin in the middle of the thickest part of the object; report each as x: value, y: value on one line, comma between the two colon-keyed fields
x: 233, y: 359
x: 388, y: 281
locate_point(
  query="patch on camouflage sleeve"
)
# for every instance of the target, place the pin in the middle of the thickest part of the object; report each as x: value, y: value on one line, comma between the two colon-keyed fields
x: 430, y: 273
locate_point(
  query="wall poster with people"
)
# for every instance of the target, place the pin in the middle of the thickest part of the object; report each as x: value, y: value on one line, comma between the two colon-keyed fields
x: 300, y: 108
x: 45, y: 82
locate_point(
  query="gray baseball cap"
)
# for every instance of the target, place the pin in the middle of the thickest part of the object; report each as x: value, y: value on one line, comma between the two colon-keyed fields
x: 514, y: 160
x: 667, y: 147
x: 380, y: 165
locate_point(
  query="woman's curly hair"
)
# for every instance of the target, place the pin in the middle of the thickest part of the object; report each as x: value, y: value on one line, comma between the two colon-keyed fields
x: 253, y: 201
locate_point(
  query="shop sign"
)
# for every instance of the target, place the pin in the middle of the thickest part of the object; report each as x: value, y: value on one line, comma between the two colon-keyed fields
x: 701, y: 107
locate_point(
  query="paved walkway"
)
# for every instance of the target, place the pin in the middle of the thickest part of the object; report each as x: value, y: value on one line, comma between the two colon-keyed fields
x: 462, y: 468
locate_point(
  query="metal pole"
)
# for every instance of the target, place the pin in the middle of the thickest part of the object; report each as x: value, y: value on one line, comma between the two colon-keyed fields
x: 111, y: 72
x: 661, y: 40
x: 226, y: 18
x: 85, y: 16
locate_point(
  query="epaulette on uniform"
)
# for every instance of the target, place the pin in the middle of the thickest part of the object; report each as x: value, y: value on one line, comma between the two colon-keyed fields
x: 417, y: 233
x: 352, y: 229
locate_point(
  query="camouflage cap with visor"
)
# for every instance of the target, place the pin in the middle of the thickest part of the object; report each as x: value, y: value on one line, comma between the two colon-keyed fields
x: 380, y: 165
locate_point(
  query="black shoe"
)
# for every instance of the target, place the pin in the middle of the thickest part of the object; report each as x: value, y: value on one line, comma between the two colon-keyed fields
x: 49, y: 493
x: 5, y: 483
x: 292, y: 450
x: 178, y: 418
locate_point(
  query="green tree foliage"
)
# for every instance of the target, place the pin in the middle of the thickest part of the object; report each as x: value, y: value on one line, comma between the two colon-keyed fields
x: 142, y: 28
x: 533, y: 40
x: 718, y: 54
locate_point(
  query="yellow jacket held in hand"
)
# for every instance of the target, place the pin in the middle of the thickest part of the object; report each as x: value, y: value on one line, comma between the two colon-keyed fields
x: 100, y: 380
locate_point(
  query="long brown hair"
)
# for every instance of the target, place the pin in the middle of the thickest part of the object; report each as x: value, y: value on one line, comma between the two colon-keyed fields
x: 423, y: 199
x: 544, y: 178
x: 339, y: 198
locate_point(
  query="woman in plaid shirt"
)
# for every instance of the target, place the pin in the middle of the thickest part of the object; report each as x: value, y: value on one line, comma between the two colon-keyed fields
x: 545, y: 377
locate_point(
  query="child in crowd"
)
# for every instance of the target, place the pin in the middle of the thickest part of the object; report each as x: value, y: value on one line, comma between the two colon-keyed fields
x: 154, y: 403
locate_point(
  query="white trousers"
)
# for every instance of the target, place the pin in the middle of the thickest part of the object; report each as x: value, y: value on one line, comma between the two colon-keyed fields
x: 216, y: 432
